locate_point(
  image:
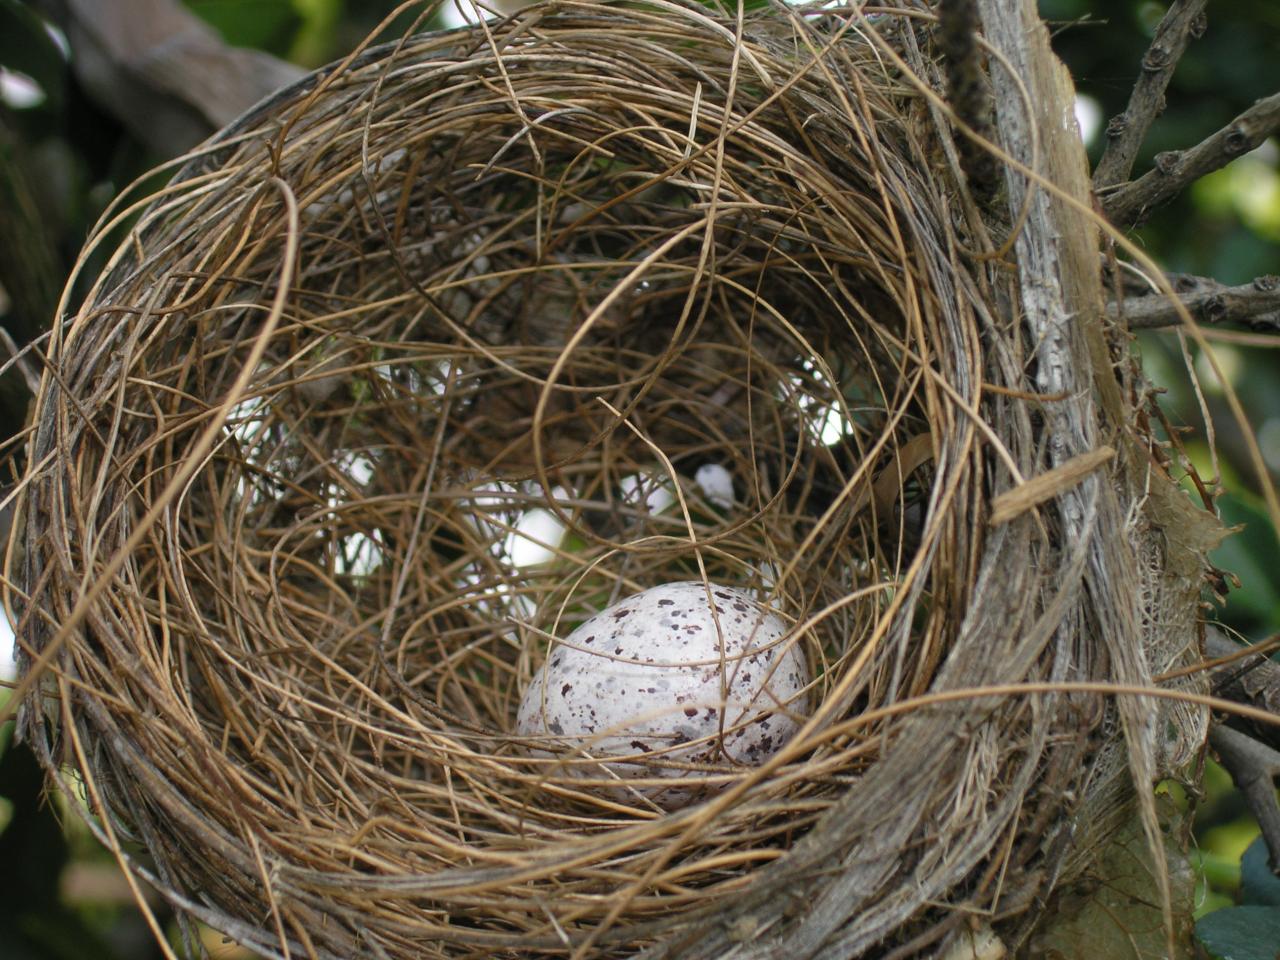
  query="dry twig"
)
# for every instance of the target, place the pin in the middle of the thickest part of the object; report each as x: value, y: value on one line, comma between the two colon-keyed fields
x: 1130, y: 203
x: 1126, y: 131
x: 1249, y: 751
x: 1256, y: 304
x: 1253, y: 680
x: 161, y: 70
x: 1254, y: 767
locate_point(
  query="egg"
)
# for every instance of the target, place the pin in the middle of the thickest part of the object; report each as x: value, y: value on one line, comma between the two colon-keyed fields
x: 682, y: 663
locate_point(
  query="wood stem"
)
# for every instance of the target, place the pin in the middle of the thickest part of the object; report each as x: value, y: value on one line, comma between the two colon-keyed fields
x: 1255, y: 304
x: 1254, y: 767
x: 1175, y: 170
x: 1184, y: 21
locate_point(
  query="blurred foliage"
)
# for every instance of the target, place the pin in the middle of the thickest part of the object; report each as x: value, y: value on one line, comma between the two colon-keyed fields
x: 43, y: 846
x: 1227, y: 226
x: 1258, y: 884
x: 270, y: 25
x: 76, y: 159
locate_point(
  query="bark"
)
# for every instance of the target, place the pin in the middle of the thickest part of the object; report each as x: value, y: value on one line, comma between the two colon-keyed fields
x: 1183, y: 22
x: 1175, y: 170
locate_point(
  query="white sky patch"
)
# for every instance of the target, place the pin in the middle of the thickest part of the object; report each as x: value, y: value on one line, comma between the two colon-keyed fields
x: 654, y: 492
x: 19, y: 91
x: 832, y: 427
x: 500, y: 599
x: 1088, y: 117
x: 8, y: 663
x: 519, y: 606
x: 827, y: 419
x: 415, y: 378
x: 360, y: 469
x: 716, y: 483
x: 247, y: 422
x: 491, y: 510
x: 537, y: 534
x: 361, y: 554
x: 459, y: 13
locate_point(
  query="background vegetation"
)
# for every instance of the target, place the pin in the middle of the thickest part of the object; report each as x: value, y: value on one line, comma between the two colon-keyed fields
x: 62, y: 159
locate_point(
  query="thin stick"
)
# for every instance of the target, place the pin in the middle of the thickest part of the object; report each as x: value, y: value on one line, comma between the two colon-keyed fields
x: 1175, y: 170
x: 1184, y: 21
x: 1253, y: 766
x: 1256, y: 304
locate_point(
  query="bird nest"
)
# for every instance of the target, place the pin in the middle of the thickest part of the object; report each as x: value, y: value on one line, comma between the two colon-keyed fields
x: 433, y: 356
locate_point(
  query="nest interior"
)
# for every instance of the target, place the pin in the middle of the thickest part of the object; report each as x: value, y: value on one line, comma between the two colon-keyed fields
x: 434, y: 355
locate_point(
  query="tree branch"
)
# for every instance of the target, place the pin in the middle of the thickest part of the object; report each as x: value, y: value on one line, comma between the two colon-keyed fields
x: 1249, y: 751
x: 1255, y: 304
x: 1130, y: 203
x: 1126, y: 131
x: 1253, y: 766
x: 1252, y: 680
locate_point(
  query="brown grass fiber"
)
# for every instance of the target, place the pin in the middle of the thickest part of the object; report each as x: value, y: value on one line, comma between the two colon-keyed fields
x: 554, y: 264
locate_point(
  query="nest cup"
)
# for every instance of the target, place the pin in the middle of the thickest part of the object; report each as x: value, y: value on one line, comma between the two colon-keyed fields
x: 431, y: 357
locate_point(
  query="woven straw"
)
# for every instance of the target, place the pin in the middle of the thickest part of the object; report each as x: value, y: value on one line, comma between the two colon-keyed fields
x: 288, y: 452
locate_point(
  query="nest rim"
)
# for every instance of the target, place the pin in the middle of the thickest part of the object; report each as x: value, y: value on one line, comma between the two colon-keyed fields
x: 781, y: 811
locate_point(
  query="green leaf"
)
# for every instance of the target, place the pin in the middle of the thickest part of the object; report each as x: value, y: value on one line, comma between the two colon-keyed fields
x: 1241, y: 933
x: 1258, y: 885
x: 264, y: 24
x: 315, y: 40
x: 1230, y: 839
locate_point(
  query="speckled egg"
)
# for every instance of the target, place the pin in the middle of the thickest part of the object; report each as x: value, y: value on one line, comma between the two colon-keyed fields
x: 650, y: 674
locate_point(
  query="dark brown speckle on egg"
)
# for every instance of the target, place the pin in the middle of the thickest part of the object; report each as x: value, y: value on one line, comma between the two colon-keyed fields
x: 628, y: 701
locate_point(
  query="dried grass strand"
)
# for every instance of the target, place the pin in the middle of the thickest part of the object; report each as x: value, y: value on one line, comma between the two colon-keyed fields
x: 552, y: 266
